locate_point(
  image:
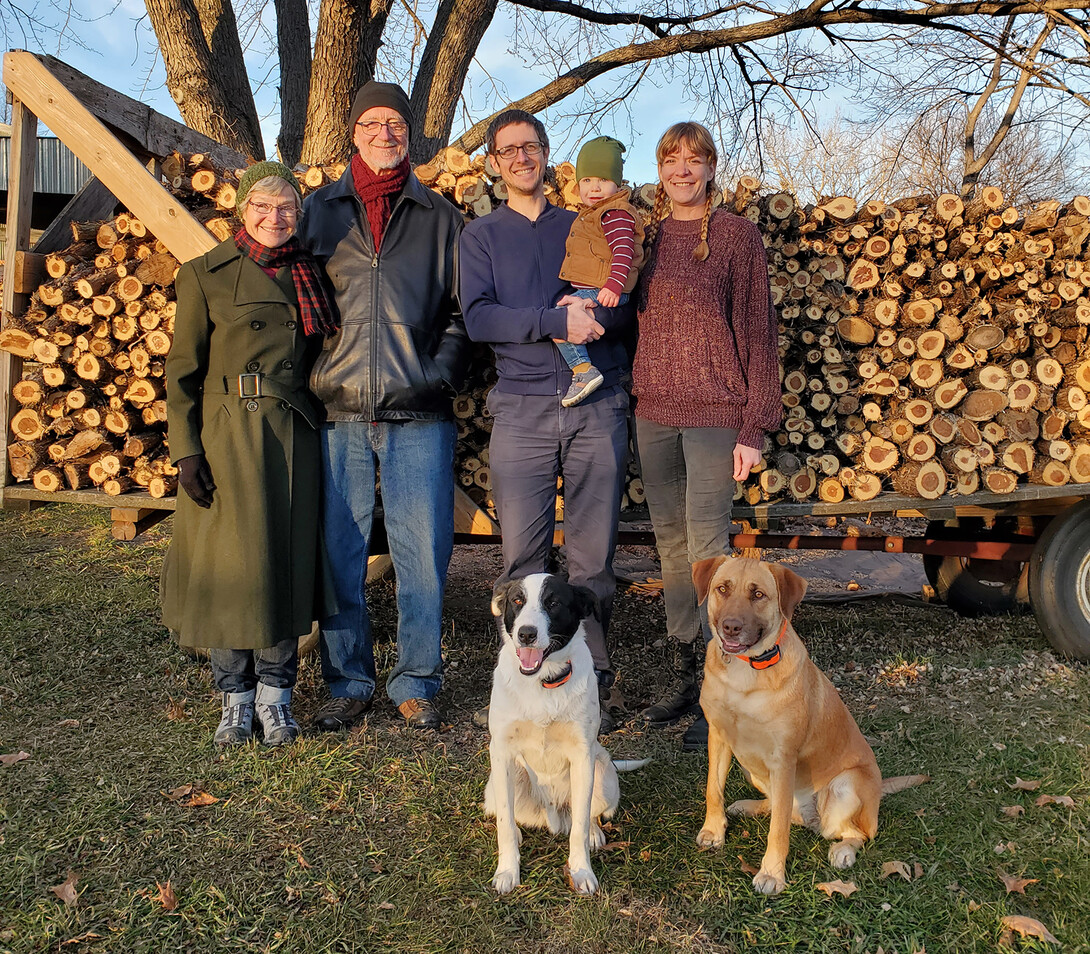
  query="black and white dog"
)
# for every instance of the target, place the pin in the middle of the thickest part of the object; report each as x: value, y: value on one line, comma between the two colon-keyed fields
x: 548, y: 768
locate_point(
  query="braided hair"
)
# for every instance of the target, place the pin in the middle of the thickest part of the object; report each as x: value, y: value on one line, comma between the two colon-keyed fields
x: 698, y: 140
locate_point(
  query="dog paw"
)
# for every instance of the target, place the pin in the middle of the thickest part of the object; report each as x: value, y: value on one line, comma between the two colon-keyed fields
x: 746, y: 806
x: 597, y: 838
x: 505, y: 881
x: 765, y: 882
x: 581, y: 881
x: 710, y: 837
x: 841, y: 855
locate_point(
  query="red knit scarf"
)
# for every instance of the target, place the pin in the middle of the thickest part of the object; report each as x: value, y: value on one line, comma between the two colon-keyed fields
x: 378, y: 190
x: 316, y: 312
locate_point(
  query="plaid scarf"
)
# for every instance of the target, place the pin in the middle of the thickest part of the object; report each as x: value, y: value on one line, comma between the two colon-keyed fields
x: 316, y: 312
x: 377, y: 191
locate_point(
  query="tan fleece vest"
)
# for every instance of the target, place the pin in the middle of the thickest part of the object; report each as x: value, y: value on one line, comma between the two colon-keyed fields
x: 588, y: 255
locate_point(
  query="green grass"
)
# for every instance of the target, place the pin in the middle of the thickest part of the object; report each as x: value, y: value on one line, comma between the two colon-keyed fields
x: 374, y: 840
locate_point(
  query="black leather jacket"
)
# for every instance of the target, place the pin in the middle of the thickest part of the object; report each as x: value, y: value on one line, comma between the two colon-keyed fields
x: 402, y: 348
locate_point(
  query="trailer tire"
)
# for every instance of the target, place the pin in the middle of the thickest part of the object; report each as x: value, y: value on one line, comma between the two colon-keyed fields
x: 958, y: 582
x: 1059, y: 581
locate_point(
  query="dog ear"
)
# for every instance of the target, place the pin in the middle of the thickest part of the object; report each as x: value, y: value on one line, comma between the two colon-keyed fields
x: 499, y: 597
x: 703, y: 571
x: 586, y: 603
x: 791, y: 586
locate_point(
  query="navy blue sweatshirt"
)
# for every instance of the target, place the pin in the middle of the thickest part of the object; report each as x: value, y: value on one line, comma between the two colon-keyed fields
x: 509, y: 271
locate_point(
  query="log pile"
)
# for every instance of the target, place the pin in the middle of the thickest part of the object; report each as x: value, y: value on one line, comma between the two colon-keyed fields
x: 929, y: 346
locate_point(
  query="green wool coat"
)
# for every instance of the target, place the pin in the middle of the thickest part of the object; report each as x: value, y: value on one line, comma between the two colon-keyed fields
x: 244, y: 574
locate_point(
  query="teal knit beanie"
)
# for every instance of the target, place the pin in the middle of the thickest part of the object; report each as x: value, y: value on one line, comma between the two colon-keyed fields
x: 257, y: 172
x: 601, y: 159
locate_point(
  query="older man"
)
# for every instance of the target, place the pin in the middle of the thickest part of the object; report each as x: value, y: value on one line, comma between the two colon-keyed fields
x: 512, y: 295
x: 387, y: 246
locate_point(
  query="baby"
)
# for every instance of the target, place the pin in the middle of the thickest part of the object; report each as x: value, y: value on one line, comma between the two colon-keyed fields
x: 604, y: 250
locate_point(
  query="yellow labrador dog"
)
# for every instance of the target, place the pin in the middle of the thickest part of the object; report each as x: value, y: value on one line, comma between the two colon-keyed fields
x: 770, y: 707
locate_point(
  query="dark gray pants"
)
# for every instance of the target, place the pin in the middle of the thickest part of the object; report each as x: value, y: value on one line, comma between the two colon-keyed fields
x: 534, y: 440
x: 688, y: 476
x: 240, y: 670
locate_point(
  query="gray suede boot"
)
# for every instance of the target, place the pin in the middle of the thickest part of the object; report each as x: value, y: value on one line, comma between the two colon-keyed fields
x: 274, y: 713
x: 237, y: 723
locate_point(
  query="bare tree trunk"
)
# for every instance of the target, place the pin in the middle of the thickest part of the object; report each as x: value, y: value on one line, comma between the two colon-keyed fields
x: 217, y: 18
x: 453, y: 41
x: 293, y: 44
x: 195, y: 76
x: 345, y: 48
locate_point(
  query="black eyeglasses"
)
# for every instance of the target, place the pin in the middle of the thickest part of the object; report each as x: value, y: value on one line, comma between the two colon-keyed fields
x: 530, y: 148
x: 372, y: 126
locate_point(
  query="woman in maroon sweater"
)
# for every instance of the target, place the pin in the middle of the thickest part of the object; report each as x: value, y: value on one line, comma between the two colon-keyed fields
x: 707, y: 384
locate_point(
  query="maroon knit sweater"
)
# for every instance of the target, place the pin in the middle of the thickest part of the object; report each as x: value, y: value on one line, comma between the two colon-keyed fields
x: 707, y: 354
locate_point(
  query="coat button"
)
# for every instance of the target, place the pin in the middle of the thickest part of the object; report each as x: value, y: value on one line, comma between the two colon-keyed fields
x: 286, y: 365
x: 257, y: 325
x: 253, y: 366
x: 251, y: 405
x: 289, y: 325
x: 284, y: 406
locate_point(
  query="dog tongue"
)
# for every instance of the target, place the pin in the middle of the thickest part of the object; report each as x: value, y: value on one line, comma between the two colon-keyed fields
x: 530, y: 658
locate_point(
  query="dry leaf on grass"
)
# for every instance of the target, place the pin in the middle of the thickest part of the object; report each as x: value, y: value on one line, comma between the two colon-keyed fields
x: 191, y: 796
x: 1066, y: 800
x: 974, y: 906
x: 8, y: 760
x: 746, y: 867
x: 845, y: 888
x: 67, y: 890
x: 385, y: 906
x: 615, y: 846
x: 896, y: 867
x: 175, y: 710
x: 1024, y: 786
x: 1013, y: 884
x: 1027, y: 927
x: 917, y: 870
x: 79, y: 939
x: 1013, y: 811
x: 68, y: 724
x: 167, y: 898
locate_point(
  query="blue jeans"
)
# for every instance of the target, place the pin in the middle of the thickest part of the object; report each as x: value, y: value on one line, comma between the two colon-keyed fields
x: 240, y: 670
x: 574, y: 354
x: 688, y: 477
x: 414, y: 461
x: 535, y: 440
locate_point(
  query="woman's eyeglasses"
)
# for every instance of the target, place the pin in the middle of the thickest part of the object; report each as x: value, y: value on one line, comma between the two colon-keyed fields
x: 287, y: 212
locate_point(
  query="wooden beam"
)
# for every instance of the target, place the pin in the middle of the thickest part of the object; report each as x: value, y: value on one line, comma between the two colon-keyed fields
x: 153, y: 131
x: 25, y: 270
x: 94, y: 201
x: 21, y: 163
x: 121, y: 172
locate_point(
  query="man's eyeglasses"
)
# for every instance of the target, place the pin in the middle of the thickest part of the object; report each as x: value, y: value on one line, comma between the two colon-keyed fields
x: 372, y: 126
x: 287, y: 212
x: 530, y: 148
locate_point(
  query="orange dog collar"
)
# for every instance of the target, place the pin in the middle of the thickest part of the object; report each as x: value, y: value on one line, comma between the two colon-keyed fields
x: 769, y: 658
x: 559, y: 680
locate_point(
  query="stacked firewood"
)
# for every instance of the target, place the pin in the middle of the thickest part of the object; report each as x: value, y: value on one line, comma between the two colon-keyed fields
x: 929, y: 346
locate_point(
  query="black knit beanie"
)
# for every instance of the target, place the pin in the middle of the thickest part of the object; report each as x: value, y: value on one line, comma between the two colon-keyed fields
x: 373, y: 94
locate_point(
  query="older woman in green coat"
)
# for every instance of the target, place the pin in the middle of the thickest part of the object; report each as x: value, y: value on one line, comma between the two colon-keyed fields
x: 242, y: 575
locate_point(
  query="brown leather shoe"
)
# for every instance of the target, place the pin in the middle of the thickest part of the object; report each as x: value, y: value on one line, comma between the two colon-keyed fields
x: 341, y: 712
x: 420, y: 714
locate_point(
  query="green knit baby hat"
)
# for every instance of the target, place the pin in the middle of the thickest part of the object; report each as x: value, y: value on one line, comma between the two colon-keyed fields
x: 257, y: 172
x: 601, y: 159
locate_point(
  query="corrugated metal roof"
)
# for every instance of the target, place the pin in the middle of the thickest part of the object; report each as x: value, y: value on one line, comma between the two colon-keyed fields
x: 57, y: 170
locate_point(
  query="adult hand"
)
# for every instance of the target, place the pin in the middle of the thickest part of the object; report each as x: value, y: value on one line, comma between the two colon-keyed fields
x: 745, y: 459
x: 608, y: 298
x: 195, y: 476
x: 582, y: 328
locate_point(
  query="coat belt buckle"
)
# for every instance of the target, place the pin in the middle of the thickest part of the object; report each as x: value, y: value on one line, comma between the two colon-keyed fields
x: 249, y: 385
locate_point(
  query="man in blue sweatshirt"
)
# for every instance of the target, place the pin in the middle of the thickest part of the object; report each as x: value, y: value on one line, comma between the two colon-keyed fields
x: 513, y: 298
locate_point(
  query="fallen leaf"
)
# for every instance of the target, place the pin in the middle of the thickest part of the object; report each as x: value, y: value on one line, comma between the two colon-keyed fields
x: 917, y: 870
x: 974, y: 906
x: 180, y: 792
x: 845, y: 888
x: 1021, y: 785
x: 303, y: 863
x: 385, y: 906
x: 615, y: 845
x: 175, y: 710
x: 1027, y: 927
x: 1066, y: 800
x: 86, y: 936
x: 191, y: 796
x: 167, y: 898
x: 645, y: 855
x: 8, y: 760
x: 67, y: 890
x: 68, y: 724
x: 198, y: 799
x: 1013, y: 884
x: 1013, y: 811
x: 746, y: 867
x: 1006, y: 846
x: 999, y: 746
x: 896, y: 867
